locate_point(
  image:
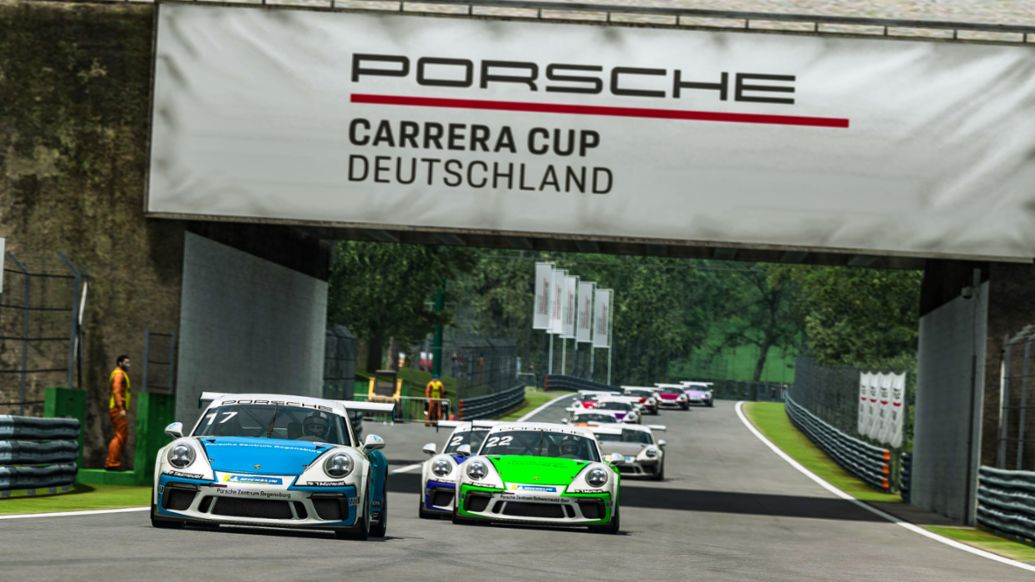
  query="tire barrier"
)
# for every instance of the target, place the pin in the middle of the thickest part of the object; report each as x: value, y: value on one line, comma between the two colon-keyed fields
x: 492, y: 405
x: 865, y: 461
x: 37, y: 453
x: 906, y: 476
x: 1006, y: 502
x: 562, y: 382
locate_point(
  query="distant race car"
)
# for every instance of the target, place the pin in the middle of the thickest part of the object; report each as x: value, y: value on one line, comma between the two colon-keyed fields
x: 642, y: 455
x: 588, y: 417
x: 588, y: 398
x: 273, y: 460
x: 673, y: 396
x: 622, y: 408
x: 698, y: 393
x: 440, y: 473
x: 647, y: 397
x: 540, y: 473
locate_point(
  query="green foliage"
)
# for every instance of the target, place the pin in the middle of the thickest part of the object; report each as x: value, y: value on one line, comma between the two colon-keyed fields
x: 865, y: 318
x: 384, y: 291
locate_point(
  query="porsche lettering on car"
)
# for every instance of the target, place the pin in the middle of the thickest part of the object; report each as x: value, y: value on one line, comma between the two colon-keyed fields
x: 539, y: 473
x: 273, y: 460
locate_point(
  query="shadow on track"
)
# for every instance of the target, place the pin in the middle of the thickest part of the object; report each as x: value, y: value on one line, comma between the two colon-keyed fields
x: 709, y: 501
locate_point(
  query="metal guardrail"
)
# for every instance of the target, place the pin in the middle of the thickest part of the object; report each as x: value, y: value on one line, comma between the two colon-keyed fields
x: 37, y: 453
x: 563, y: 382
x: 1006, y: 502
x: 869, y: 463
x: 491, y: 406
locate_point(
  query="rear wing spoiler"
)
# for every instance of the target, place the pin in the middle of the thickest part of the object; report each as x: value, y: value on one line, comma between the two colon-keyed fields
x: 385, y: 408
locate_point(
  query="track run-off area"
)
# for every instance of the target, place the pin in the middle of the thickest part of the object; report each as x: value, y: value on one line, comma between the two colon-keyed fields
x: 729, y: 509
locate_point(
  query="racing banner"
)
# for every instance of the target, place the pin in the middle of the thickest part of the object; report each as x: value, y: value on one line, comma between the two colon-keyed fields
x: 602, y: 318
x: 882, y: 407
x: 864, y: 408
x: 474, y: 125
x: 873, y: 402
x: 568, y: 309
x: 541, y: 313
x: 584, y: 320
x: 895, y: 417
x: 557, y: 301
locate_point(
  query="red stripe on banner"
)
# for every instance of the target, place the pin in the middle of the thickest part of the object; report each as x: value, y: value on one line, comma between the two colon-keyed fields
x: 523, y: 106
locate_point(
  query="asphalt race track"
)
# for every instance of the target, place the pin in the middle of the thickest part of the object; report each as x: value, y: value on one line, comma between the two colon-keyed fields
x: 730, y: 509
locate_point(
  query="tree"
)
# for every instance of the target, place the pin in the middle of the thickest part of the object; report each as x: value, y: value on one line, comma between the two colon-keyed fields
x: 384, y: 290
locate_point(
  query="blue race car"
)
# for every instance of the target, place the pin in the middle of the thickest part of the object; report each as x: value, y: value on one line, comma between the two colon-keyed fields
x: 439, y: 474
x: 277, y: 461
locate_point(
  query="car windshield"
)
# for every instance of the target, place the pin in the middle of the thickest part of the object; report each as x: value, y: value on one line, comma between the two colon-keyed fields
x: 595, y: 418
x: 627, y: 436
x: 614, y: 405
x: 275, y: 422
x: 639, y: 392
x: 540, y: 443
x: 473, y: 437
x: 672, y: 390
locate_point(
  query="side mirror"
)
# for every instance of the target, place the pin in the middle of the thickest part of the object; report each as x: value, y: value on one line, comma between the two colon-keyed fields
x: 175, y: 430
x: 662, y: 443
x: 464, y: 450
x: 616, y: 457
x: 373, y: 442
x: 429, y: 449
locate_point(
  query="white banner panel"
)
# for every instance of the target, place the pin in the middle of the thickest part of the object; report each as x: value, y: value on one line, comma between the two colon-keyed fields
x: 602, y: 318
x: 898, y: 411
x: 568, y: 309
x: 584, y: 321
x: 873, y: 145
x: 863, y: 417
x: 557, y: 301
x: 541, y: 311
x: 873, y: 408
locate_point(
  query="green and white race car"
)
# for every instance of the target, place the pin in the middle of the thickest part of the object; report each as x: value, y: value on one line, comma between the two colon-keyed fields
x: 539, y: 473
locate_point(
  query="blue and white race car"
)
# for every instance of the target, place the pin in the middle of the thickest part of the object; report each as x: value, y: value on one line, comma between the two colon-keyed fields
x: 440, y: 473
x: 273, y: 460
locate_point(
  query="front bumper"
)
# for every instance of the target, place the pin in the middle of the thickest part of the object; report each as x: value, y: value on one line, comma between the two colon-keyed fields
x: 497, y: 505
x: 439, y: 496
x: 671, y: 404
x: 210, y: 502
x: 638, y: 468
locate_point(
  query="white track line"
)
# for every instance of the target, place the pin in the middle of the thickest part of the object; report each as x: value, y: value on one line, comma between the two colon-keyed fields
x: 405, y: 469
x: 911, y: 527
x: 541, y: 408
x: 75, y: 513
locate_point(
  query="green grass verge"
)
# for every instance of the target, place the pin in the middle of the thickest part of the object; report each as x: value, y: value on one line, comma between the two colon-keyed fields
x: 534, y: 398
x: 772, y: 421
x: 81, y: 498
x: 986, y: 541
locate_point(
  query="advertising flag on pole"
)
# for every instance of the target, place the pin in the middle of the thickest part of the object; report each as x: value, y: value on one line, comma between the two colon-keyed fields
x: 864, y: 383
x: 873, y: 403
x: 898, y: 410
x: 568, y: 308
x: 584, y: 318
x: 602, y: 318
x: 541, y: 315
x: 557, y: 301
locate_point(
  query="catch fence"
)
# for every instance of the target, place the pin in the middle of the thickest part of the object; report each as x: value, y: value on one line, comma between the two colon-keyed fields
x: 480, y: 365
x: 339, y: 364
x: 1015, y: 443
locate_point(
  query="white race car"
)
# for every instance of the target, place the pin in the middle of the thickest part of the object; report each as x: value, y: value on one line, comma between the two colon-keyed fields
x: 625, y: 408
x: 647, y: 396
x: 589, y: 416
x: 440, y: 473
x: 273, y: 460
x: 641, y: 454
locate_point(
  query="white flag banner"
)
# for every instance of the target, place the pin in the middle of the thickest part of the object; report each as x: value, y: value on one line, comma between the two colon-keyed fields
x: 883, y: 408
x: 568, y: 308
x: 584, y: 318
x: 557, y: 301
x: 872, y: 394
x: 864, y: 383
x: 898, y: 411
x: 602, y: 318
x: 543, y: 277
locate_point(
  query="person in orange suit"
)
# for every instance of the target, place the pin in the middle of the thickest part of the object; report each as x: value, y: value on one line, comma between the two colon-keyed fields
x: 118, y: 409
x: 434, y: 391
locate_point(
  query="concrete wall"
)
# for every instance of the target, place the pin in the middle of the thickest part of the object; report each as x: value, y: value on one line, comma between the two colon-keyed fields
x: 247, y: 324
x: 950, y: 386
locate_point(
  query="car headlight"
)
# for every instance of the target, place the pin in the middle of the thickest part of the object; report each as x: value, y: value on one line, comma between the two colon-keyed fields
x: 477, y: 470
x: 181, y: 456
x: 338, y: 466
x: 681, y: 397
x: 597, y: 477
x: 442, y: 467
x: 651, y: 452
